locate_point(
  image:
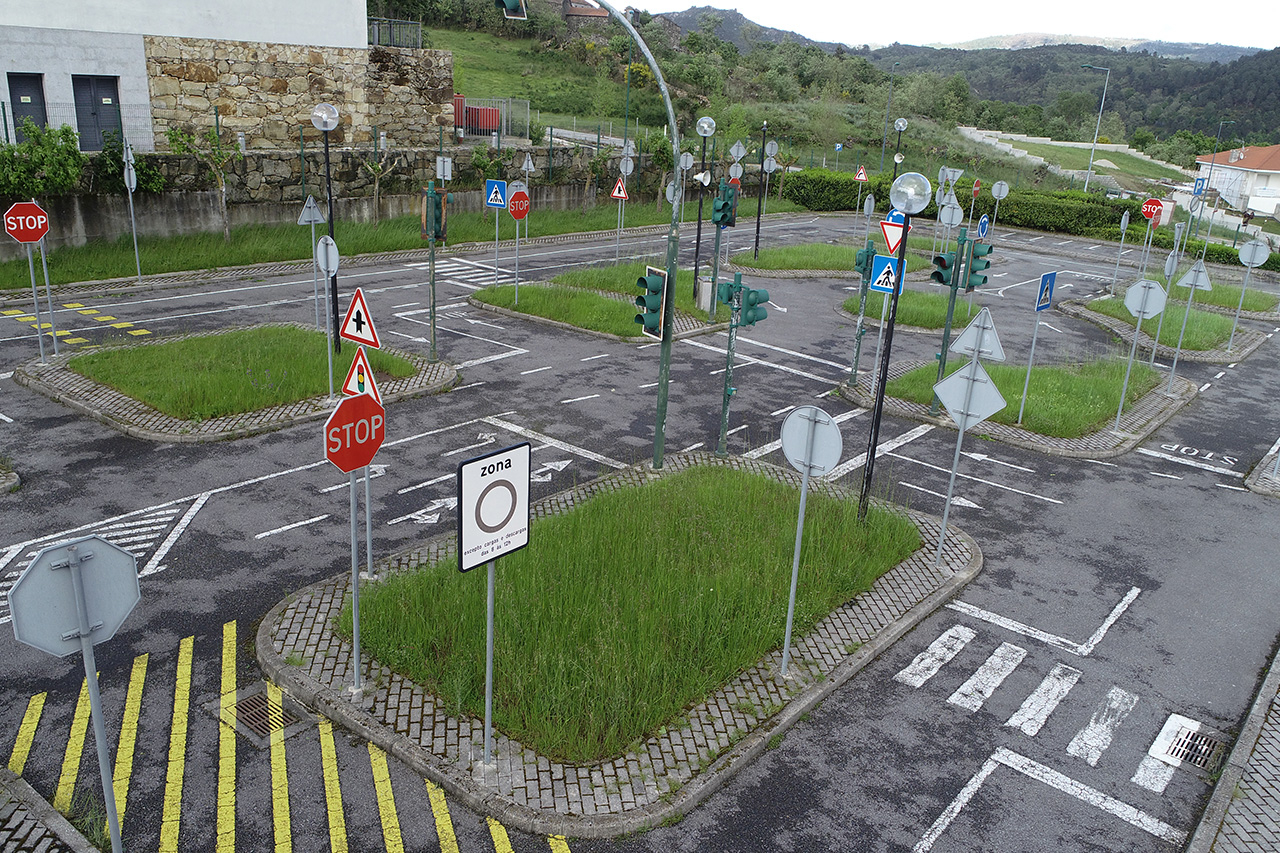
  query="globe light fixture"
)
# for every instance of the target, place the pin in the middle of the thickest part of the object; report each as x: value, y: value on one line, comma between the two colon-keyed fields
x: 910, y: 193
x: 325, y: 117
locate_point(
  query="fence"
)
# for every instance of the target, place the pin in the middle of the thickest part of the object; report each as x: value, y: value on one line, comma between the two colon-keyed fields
x: 392, y: 33
x: 482, y: 117
x: 90, y: 122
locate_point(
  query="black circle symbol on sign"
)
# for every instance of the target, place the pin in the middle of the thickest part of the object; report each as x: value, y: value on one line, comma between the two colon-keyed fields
x: 506, y: 484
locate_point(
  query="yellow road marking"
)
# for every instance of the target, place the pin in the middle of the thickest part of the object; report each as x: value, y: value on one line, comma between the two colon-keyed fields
x: 88, y: 311
x: 139, y: 332
x: 279, y: 773
x: 26, y: 733
x: 76, y: 341
x: 332, y: 790
x: 129, y: 734
x: 124, y: 324
x: 444, y: 823
x: 227, y: 744
x: 11, y: 312
x: 75, y: 747
x: 73, y: 305
x: 171, y: 817
x: 42, y: 325
x: 104, y: 318
x: 26, y: 319
x: 386, y: 801
x: 62, y: 334
x: 558, y: 844
x: 501, y: 844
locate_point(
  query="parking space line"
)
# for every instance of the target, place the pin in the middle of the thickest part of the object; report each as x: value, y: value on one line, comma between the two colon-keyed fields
x: 75, y: 747
x: 26, y: 733
x: 498, y: 832
x: 128, y: 735
x: 391, y: 837
x: 444, y: 824
x: 226, y: 833
x: 281, y: 819
x: 332, y: 789
x: 171, y: 815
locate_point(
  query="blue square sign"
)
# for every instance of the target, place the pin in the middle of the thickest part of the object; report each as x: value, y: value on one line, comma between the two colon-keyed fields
x: 1045, y: 299
x: 884, y: 274
x: 495, y: 194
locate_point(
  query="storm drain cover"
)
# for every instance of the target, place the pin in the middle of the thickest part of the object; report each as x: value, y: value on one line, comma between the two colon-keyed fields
x: 257, y: 717
x: 1190, y: 745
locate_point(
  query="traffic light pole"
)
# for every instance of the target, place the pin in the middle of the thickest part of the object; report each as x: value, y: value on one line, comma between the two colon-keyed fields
x: 735, y: 311
x: 760, y: 203
x: 861, y: 328
x: 697, y: 243
x: 715, y: 270
x: 956, y: 278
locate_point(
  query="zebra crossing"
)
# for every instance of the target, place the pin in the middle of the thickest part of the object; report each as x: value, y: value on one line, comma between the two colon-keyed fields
x: 203, y: 761
x: 466, y: 274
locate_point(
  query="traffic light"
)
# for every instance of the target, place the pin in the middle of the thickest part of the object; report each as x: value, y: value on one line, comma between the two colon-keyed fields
x: 724, y: 292
x: 753, y: 309
x: 650, y: 302
x: 978, y: 262
x: 863, y: 261
x: 724, y: 209
x: 945, y: 267
x: 513, y: 10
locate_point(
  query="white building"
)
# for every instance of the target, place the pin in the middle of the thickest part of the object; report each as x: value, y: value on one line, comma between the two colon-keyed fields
x: 1247, y: 178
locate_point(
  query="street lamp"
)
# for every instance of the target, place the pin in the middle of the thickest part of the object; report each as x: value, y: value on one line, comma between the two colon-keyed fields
x: 1208, y: 182
x: 325, y: 119
x: 764, y: 131
x: 899, y: 125
x: 884, y: 143
x: 1098, y: 126
x: 706, y: 126
x: 910, y: 194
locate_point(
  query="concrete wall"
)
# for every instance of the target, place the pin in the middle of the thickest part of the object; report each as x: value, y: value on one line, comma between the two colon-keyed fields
x: 334, y: 23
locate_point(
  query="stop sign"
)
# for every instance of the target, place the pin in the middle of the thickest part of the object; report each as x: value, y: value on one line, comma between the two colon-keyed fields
x: 26, y: 222
x: 518, y: 204
x: 354, y: 432
x: 1151, y: 208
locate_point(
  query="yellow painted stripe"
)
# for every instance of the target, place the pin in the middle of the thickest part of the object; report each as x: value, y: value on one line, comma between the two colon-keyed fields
x: 104, y: 318
x: 444, y: 823
x: 279, y: 773
x: 124, y: 324
x: 332, y: 790
x: 227, y: 744
x: 26, y: 733
x: 139, y: 332
x: 171, y: 816
x: 42, y: 325
x: 88, y: 311
x: 12, y: 313
x: 129, y: 734
x: 73, y: 305
x: 386, y: 801
x: 75, y: 748
x: 62, y: 334
x: 558, y: 844
x: 26, y: 319
x: 75, y: 340
x: 501, y: 844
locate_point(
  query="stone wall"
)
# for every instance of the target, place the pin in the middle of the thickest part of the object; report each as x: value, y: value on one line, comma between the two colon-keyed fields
x: 267, y: 91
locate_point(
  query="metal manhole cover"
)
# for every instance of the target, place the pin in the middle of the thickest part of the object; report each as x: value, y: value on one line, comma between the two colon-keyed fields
x: 262, y: 716
x: 257, y: 717
x: 1190, y: 745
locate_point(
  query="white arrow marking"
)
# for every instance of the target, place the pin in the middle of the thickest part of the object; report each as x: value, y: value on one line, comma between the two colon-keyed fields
x: 776, y: 305
x: 540, y: 478
x: 486, y: 438
x: 956, y: 500
x: 483, y: 323
x: 553, y: 466
x: 982, y: 457
x: 375, y: 471
x: 975, y: 479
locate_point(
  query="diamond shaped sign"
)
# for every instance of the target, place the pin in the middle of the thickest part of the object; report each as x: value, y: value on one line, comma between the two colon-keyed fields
x: 984, y: 400
x: 968, y: 343
x: 738, y: 151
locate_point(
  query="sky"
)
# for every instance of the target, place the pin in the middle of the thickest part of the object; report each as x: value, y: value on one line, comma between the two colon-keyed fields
x: 938, y: 22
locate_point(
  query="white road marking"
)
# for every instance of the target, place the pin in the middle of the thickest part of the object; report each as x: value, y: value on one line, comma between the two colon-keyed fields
x: 1166, y: 476
x: 1153, y: 774
x: 977, y: 479
x: 1126, y: 251
x: 970, y: 788
x: 1087, y: 647
x: 956, y: 500
x: 1205, y: 386
x: 580, y: 399
x: 404, y: 305
x: 784, y: 368
x: 766, y: 449
x: 554, y: 442
x: 1220, y: 374
x: 743, y: 340
x: 1091, y: 248
x: 882, y: 449
x: 1081, y: 649
x: 1233, y: 488
x: 5, y: 418
x: 982, y: 457
x: 1100, y: 462
x: 296, y: 524
x: 650, y: 385
x: 1092, y: 740
x: 1233, y: 364
x: 780, y: 411
x: 691, y: 447
x: 486, y: 438
x: 535, y: 370
x: 1036, y: 708
x: 423, y: 485
x: 375, y: 471
x: 1033, y: 239
x: 1001, y: 291
x: 513, y: 350
x: 1050, y: 326
x: 940, y: 651
x: 6, y: 374
x: 154, y: 565
x: 1203, y: 466
x: 469, y: 385
x: 594, y: 357
x: 984, y: 681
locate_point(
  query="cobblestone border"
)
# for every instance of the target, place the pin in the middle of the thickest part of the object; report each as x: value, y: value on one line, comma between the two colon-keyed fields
x: 28, y: 822
x: 684, y: 325
x: 1247, y: 340
x: 1261, y: 479
x: 57, y: 381
x: 1141, y: 419
x: 674, y: 771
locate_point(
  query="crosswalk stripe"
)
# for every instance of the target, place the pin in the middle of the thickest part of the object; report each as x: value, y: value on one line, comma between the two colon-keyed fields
x: 1037, y: 707
x: 227, y: 743
x: 75, y: 747
x: 279, y: 773
x: 444, y: 823
x: 332, y: 789
x: 171, y: 815
x: 984, y: 681
x: 129, y: 735
x: 1092, y: 740
x: 940, y: 651
x: 26, y: 733
x: 501, y: 843
x: 1153, y: 774
x: 386, y: 800
x: 558, y: 844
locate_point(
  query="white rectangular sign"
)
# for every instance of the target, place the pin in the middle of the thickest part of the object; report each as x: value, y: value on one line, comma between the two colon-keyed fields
x: 493, y: 505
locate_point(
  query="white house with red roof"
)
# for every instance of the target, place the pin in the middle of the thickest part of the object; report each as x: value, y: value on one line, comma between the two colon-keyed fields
x: 1247, y: 178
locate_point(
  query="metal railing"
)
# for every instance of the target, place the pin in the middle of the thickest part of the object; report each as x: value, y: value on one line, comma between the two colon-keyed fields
x: 388, y: 32
x: 134, y: 118
x: 478, y: 119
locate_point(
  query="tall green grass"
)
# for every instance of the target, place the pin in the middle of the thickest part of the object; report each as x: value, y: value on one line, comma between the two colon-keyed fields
x: 822, y: 256
x: 1063, y: 402
x: 924, y: 308
x: 621, y: 614
x: 209, y: 376
x: 1205, y: 330
x: 581, y: 308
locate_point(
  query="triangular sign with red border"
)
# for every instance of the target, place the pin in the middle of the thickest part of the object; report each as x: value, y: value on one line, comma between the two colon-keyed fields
x: 862, y: 174
x: 360, y: 378
x: 893, y: 232
x: 619, y: 191
x: 358, y: 324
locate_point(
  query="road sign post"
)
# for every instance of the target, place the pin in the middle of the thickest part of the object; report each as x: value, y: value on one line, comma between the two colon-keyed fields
x: 1144, y: 300
x: 1252, y: 254
x: 27, y: 223
x: 495, y: 196
x: 1197, y: 278
x: 1044, y: 301
x: 1124, y: 230
x: 311, y: 215
x: 518, y: 207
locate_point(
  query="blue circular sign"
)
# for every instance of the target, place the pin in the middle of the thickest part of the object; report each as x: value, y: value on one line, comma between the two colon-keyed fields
x: 984, y: 225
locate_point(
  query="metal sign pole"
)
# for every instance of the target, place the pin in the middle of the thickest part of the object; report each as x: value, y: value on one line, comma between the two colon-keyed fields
x: 955, y: 461
x: 368, y: 526
x: 315, y: 279
x: 617, y: 234
x: 48, y: 292
x: 1116, y: 274
x: 795, y: 559
x: 884, y: 313
x: 1031, y: 360
x: 496, y: 217
x: 1186, y: 313
x: 488, y: 672
x: 517, y: 301
x: 1137, y: 327
x: 1244, y: 286
x: 357, y: 683
x: 35, y: 295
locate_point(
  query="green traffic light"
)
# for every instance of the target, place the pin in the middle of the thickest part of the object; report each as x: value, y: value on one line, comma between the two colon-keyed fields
x: 753, y: 310
x: 945, y: 271
x: 978, y: 263
x: 650, y: 302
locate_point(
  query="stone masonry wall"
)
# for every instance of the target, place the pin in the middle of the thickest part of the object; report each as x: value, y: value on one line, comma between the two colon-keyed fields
x: 267, y: 91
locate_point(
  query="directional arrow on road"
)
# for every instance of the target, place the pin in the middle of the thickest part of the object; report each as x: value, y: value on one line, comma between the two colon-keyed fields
x: 542, y: 475
x: 485, y: 439
x: 483, y: 323
x: 982, y: 457
x: 375, y: 471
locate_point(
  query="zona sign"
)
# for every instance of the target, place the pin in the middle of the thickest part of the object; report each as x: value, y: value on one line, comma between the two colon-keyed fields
x: 26, y: 222
x: 354, y: 432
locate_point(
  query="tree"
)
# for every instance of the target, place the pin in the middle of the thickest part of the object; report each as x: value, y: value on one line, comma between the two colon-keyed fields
x: 46, y: 162
x: 384, y: 165
x: 209, y: 150
x: 662, y: 159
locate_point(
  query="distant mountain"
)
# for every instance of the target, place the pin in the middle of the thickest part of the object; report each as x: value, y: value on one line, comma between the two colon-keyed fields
x: 740, y: 31
x: 1169, y: 49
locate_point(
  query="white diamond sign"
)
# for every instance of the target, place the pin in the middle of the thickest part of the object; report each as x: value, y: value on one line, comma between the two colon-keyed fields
x: 984, y: 400
x: 967, y: 343
x: 1145, y: 297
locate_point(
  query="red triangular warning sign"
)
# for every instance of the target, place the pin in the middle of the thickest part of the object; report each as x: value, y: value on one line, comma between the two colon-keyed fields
x: 360, y: 378
x: 893, y: 232
x: 619, y: 191
x: 862, y: 174
x: 358, y: 324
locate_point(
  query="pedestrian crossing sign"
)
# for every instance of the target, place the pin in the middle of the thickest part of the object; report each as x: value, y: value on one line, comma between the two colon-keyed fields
x: 884, y: 274
x: 495, y: 194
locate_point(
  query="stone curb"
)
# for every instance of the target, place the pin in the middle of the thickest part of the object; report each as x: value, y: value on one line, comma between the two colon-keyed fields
x: 1136, y: 424
x: 460, y: 782
x: 42, y: 813
x: 58, y: 382
x: 1236, y: 765
x: 1247, y: 340
x: 692, y: 326
x: 1260, y: 479
x: 9, y: 481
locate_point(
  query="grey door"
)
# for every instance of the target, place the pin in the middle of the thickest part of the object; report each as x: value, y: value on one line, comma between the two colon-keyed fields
x: 26, y: 96
x: 97, y: 109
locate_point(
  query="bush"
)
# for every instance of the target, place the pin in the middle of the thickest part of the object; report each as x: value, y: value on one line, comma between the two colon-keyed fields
x: 46, y: 162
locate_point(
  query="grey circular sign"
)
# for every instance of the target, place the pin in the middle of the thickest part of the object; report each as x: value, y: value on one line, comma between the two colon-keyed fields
x: 627, y: 166
x: 950, y: 215
x: 517, y: 187
x: 823, y: 453
x: 686, y: 161
x: 1196, y: 204
x: 673, y: 192
x: 327, y: 256
x: 511, y: 510
x: 999, y: 190
x: 869, y: 206
x: 1170, y: 266
x: 735, y: 170
x: 770, y: 165
x: 771, y: 149
x: 1254, y: 253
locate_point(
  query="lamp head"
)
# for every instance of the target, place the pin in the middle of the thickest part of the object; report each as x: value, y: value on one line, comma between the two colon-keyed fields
x: 911, y: 193
x: 325, y: 117
x: 706, y: 126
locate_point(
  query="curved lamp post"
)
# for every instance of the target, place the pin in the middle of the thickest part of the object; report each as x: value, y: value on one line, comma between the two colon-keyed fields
x: 325, y: 119
x: 910, y: 194
x: 1098, y: 126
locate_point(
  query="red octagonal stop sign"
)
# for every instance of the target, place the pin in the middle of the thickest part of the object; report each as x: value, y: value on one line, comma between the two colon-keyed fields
x: 354, y: 432
x: 26, y: 222
x: 518, y: 204
x: 1152, y: 207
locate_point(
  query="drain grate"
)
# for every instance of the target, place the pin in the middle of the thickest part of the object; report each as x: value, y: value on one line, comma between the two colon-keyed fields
x: 261, y: 716
x: 256, y: 718
x: 1190, y: 745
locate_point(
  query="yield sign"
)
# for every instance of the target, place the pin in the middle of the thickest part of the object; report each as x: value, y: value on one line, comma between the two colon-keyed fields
x: 358, y: 324
x: 360, y: 378
x: 968, y: 343
x: 862, y: 174
x: 619, y: 191
x: 893, y: 233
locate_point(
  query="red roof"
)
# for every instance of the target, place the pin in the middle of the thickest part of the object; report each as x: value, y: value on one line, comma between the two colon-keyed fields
x: 1255, y: 159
